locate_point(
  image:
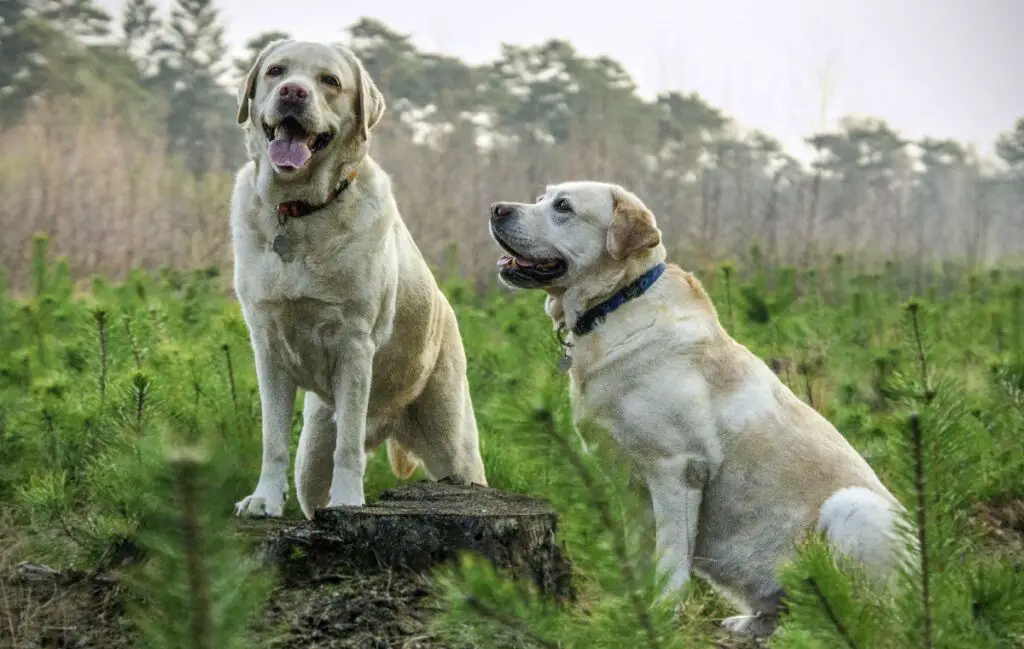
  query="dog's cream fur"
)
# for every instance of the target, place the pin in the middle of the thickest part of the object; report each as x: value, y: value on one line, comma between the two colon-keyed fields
x: 738, y: 468
x: 356, y: 319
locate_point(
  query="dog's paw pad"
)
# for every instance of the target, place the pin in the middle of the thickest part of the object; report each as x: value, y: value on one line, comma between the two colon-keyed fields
x: 750, y: 625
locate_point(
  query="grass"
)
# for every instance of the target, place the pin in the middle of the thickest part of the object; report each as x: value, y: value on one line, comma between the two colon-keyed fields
x: 97, y: 387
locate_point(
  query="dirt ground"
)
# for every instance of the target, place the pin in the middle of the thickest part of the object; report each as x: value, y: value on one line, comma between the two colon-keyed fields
x: 46, y: 610
x: 41, y: 609
x: 1003, y: 526
x: 378, y: 611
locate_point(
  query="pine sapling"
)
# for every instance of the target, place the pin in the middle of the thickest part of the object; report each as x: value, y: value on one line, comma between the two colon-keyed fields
x: 3, y: 312
x: 510, y: 622
x: 830, y: 613
x: 40, y: 262
x: 231, y: 379
x: 136, y: 352
x: 100, y: 317
x: 1017, y: 304
x: 838, y: 280
x: 914, y: 307
x: 922, y: 527
x: 996, y: 325
x: 198, y: 588
x: 187, y: 466
x: 140, y: 391
x: 727, y: 269
x: 804, y: 369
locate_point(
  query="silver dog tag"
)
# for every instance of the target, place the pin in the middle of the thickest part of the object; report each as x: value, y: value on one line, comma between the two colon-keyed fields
x: 283, y: 247
x: 565, y: 362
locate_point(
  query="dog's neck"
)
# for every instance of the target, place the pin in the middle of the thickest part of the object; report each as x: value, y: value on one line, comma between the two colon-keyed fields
x: 297, y: 209
x: 566, y: 306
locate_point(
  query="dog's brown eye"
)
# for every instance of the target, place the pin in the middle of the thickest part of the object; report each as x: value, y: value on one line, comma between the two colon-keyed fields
x: 331, y: 80
x: 275, y: 71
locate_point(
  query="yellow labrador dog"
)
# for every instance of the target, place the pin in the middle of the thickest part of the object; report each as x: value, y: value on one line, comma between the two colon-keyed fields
x: 738, y: 468
x: 336, y: 295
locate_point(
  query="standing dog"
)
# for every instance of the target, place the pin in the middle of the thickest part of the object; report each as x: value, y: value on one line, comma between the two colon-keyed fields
x: 737, y: 467
x: 336, y: 295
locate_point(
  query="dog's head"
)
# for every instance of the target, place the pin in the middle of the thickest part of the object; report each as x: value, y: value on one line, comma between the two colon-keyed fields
x: 576, y: 231
x: 305, y: 103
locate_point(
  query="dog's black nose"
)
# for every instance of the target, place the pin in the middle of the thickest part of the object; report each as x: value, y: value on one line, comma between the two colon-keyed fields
x: 293, y: 92
x: 501, y: 210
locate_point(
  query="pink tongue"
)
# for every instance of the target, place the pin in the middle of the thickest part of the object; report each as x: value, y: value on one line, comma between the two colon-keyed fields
x: 286, y: 151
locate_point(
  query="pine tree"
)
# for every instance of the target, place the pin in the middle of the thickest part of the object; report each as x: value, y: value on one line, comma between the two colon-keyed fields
x: 253, y: 47
x: 1010, y: 147
x: 190, y: 64
x: 19, y: 56
x: 79, y: 19
x: 139, y: 27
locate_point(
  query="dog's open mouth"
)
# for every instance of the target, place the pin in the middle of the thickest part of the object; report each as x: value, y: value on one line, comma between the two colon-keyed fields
x: 291, y: 145
x: 516, y: 265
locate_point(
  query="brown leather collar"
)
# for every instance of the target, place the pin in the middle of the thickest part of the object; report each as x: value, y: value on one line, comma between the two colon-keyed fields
x: 299, y: 209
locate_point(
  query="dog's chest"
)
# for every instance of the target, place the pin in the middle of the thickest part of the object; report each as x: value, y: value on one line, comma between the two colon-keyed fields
x: 315, y: 266
x: 595, y: 387
x: 304, y: 309
x: 627, y: 386
x: 265, y: 276
x: 305, y: 336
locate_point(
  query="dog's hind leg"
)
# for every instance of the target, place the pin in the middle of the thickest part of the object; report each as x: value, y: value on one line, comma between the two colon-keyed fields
x: 763, y: 618
x: 440, y: 428
x: 858, y: 523
x: 314, y: 460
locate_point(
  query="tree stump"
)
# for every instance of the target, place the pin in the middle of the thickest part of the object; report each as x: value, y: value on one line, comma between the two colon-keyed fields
x: 422, y: 525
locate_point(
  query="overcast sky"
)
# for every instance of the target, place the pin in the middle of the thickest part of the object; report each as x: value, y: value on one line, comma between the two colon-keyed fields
x: 929, y: 67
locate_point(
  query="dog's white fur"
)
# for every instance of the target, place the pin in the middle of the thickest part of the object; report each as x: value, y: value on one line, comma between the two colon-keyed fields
x: 356, y: 319
x: 738, y: 468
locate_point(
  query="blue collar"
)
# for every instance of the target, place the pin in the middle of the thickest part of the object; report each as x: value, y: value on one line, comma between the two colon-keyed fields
x: 593, y: 317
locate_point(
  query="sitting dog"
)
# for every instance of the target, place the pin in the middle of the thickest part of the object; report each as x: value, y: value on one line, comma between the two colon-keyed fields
x: 737, y: 467
x: 336, y: 295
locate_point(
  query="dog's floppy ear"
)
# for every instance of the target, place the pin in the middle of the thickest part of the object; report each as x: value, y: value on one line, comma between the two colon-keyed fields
x: 247, y: 87
x: 633, y: 228
x: 369, y: 100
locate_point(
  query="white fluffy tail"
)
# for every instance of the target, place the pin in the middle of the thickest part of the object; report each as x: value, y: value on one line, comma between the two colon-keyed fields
x: 865, y: 526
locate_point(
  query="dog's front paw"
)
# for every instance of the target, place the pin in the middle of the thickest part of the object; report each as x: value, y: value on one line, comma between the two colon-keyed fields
x: 751, y: 625
x: 347, y: 489
x: 263, y: 503
x: 346, y: 500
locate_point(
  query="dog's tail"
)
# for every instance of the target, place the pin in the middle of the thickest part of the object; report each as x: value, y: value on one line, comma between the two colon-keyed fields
x: 403, y: 463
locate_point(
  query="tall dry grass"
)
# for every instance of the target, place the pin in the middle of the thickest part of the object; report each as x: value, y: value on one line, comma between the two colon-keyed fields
x: 103, y: 188
x: 107, y: 194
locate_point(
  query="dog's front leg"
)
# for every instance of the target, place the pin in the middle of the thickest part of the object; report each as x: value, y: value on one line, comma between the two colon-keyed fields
x: 277, y: 403
x: 351, y: 398
x: 676, y: 486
